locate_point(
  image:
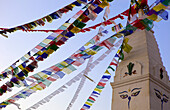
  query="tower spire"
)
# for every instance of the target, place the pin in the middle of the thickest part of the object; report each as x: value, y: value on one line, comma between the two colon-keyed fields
x: 148, y: 78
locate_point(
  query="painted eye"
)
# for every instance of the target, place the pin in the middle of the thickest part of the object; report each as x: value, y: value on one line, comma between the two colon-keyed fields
x: 158, y: 95
x: 135, y: 93
x: 124, y: 96
x: 165, y: 100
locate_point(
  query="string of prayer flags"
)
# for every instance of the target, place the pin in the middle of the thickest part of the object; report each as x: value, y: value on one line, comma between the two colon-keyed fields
x: 137, y: 24
x: 117, y: 27
x: 44, y: 80
x: 76, y: 59
x: 26, y: 92
x: 19, y: 79
x: 41, y: 79
x: 49, y: 18
x: 56, y: 92
x: 81, y: 84
x: 159, y: 9
x: 42, y: 51
x: 65, y: 67
x: 88, y: 69
x: 100, y: 86
x: 107, y: 22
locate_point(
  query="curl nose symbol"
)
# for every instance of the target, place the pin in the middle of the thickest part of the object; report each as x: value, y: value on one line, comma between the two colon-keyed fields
x: 129, y: 99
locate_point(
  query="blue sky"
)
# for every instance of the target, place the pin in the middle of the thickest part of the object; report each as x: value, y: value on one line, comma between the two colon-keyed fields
x: 17, y: 12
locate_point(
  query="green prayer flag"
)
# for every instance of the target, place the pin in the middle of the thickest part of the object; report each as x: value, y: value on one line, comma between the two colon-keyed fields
x: 23, y: 96
x: 92, y: 41
x: 54, y: 47
x: 59, y: 66
x: 71, y: 67
x: 63, y: 27
x: 166, y: 2
x: 47, y: 82
x: 111, y: 68
x: 130, y: 27
x: 42, y: 44
x: 79, y: 24
x: 90, y: 100
x: 99, y: 87
x: 121, y: 56
x: 99, y: 48
x: 112, y: 40
x: 16, y: 70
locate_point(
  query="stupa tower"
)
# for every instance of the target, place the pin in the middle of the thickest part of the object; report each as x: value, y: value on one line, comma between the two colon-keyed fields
x: 141, y: 81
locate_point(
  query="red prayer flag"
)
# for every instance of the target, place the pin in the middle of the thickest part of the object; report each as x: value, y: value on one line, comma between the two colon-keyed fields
x: 42, y: 85
x: 91, y: 98
x: 51, y: 79
x: 112, y: 63
x: 101, y: 84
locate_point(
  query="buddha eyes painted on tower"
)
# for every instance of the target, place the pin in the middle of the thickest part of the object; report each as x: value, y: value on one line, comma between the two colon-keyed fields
x: 162, y: 97
x: 130, y: 93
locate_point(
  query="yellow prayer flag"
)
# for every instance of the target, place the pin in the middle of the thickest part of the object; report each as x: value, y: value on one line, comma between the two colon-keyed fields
x: 98, y: 90
x: 66, y: 24
x: 118, y: 51
x: 3, y: 103
x: 159, y: 7
x: 10, y: 68
x: 42, y: 75
x: 127, y: 48
x: 91, y: 52
x: 73, y: 5
x: 59, y: 37
x: 21, y: 78
x: 88, y: 103
x: 49, y: 51
x: 107, y: 72
x: 88, y: 43
x: 39, y: 53
x: 64, y: 63
x: 81, y: 18
x: 103, y: 4
x: 21, y: 67
x: 119, y: 35
x: 126, y: 40
x: 32, y: 28
x: 26, y: 56
x: 20, y: 82
x: 45, y: 51
x: 66, y: 70
x: 33, y: 88
x: 26, y: 70
x: 87, y: 50
x: 153, y: 17
x: 38, y: 87
x: 75, y: 30
x: 46, y: 41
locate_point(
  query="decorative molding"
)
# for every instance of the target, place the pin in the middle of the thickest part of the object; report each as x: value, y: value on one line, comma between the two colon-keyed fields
x: 137, y: 79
